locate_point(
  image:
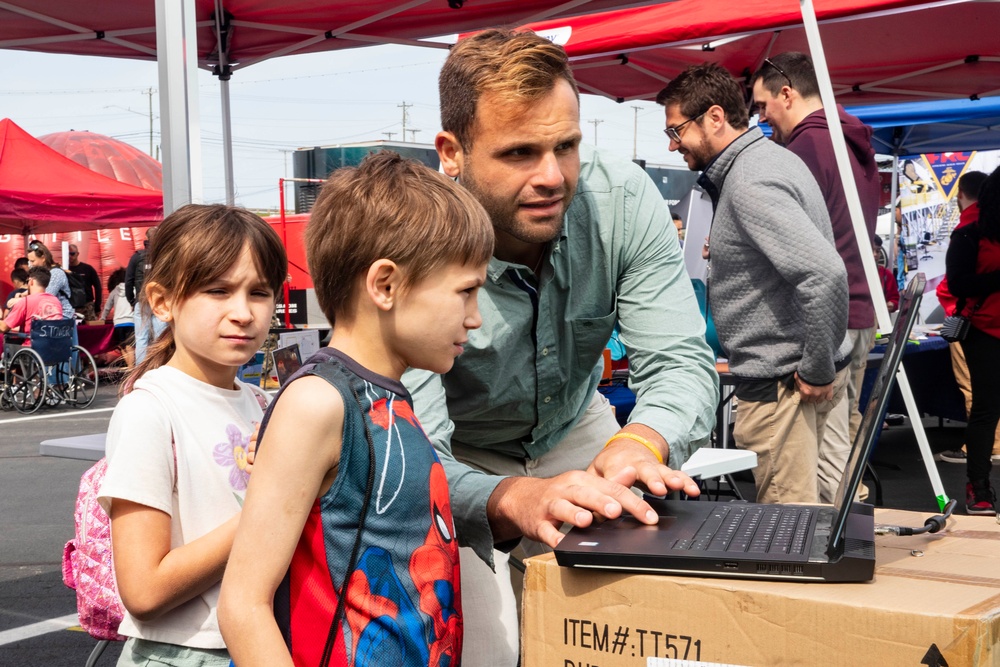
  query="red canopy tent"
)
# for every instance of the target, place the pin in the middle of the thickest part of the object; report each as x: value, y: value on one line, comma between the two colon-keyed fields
x: 877, y: 50
x: 226, y: 35
x: 260, y: 29
x: 42, y: 191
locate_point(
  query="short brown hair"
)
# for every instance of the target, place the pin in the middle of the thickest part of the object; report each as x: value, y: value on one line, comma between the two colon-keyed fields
x: 391, y: 208
x: 970, y: 183
x: 517, y: 66
x: 793, y: 69
x: 41, y: 275
x: 699, y: 87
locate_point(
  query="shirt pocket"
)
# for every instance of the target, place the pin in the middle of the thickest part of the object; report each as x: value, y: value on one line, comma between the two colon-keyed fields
x: 590, y: 335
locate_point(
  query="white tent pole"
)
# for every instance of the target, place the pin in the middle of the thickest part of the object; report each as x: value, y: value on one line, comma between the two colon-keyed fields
x: 894, y: 194
x: 177, y: 58
x: 861, y: 233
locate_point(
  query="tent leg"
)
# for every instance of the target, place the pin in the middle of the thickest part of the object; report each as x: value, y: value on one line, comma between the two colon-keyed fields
x: 861, y: 232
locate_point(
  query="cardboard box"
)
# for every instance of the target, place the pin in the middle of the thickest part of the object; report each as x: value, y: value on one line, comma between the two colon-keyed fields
x: 935, y: 600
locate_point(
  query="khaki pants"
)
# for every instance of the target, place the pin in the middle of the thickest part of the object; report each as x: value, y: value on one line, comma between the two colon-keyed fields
x: 961, y: 369
x: 785, y: 434
x: 844, y: 420
x: 489, y: 603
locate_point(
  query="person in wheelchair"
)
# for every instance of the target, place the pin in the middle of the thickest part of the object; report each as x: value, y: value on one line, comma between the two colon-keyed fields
x: 35, y: 304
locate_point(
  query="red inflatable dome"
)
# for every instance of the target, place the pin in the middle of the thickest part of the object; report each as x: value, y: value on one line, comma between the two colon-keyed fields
x: 108, y: 157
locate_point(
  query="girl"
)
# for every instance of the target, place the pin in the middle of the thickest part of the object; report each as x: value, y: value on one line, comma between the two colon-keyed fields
x: 124, y: 325
x: 178, y: 439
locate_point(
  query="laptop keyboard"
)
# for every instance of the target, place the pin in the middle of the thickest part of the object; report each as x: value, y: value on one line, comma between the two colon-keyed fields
x: 752, y: 529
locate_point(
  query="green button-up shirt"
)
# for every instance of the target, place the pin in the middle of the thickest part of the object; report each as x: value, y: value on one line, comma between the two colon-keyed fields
x: 524, y: 380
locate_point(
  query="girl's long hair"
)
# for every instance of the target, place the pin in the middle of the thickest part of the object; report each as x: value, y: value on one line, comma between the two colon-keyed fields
x: 194, y: 246
x: 39, y: 248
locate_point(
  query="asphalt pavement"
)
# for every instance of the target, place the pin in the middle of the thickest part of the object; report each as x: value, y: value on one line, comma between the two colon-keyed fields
x: 36, y: 496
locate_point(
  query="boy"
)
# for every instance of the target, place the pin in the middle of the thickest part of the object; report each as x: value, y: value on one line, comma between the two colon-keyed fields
x: 34, y: 305
x: 19, y: 279
x: 348, y: 494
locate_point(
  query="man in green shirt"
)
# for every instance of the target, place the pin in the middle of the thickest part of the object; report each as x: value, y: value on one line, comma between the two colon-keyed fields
x: 584, y: 240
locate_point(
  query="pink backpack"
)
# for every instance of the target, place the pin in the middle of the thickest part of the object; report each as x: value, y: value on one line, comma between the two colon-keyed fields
x: 87, y: 565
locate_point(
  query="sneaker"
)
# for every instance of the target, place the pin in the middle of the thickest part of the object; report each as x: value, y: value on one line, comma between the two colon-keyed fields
x: 996, y: 456
x: 950, y: 456
x: 980, y: 498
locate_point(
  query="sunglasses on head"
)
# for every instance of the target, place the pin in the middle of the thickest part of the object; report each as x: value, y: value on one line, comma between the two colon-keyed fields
x: 767, y: 61
x: 34, y: 245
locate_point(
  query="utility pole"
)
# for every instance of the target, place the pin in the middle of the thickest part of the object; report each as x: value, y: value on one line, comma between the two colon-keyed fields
x: 390, y: 134
x: 150, y: 93
x: 404, y: 106
x: 285, y: 152
x: 635, y: 134
x: 413, y: 135
x: 595, y: 122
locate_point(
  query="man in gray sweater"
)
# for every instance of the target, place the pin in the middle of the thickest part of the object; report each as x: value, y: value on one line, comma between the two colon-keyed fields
x: 778, y: 288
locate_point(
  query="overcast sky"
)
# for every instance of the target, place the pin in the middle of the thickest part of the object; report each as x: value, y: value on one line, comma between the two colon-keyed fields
x: 278, y: 105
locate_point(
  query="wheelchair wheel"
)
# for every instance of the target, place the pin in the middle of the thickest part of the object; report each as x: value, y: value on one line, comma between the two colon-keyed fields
x: 81, y: 386
x: 27, y: 380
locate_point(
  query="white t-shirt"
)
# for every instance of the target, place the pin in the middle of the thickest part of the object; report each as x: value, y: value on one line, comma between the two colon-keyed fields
x: 211, y: 428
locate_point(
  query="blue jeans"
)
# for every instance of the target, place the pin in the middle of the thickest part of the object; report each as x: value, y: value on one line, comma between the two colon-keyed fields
x: 147, y: 330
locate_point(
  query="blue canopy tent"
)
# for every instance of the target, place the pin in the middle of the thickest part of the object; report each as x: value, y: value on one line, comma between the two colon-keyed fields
x: 914, y: 128
x: 933, y: 127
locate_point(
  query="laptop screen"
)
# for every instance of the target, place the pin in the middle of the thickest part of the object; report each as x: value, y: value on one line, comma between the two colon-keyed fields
x: 865, y: 440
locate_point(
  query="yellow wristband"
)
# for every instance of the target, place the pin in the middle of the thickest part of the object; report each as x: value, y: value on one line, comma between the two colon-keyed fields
x: 638, y: 438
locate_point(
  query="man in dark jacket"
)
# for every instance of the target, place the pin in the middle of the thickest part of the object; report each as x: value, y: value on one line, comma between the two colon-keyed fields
x: 787, y: 96
x: 92, y: 282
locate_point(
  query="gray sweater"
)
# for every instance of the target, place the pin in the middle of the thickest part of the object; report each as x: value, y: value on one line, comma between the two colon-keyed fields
x: 778, y: 288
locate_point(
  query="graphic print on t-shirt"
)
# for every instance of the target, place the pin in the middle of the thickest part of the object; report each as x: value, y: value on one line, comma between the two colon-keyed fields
x: 232, y: 454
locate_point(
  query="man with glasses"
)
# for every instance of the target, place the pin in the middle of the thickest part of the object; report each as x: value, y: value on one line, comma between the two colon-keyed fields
x: 787, y: 98
x: 778, y: 287
x: 91, y: 281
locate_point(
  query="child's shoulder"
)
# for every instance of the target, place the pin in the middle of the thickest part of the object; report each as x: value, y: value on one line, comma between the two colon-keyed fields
x: 313, y: 397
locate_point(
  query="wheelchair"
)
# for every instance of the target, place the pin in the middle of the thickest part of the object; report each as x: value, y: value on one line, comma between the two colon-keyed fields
x: 51, y: 371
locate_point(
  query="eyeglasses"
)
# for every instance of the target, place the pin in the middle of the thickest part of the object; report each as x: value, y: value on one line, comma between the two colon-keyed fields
x: 74, y: 254
x: 674, y: 133
x: 767, y: 61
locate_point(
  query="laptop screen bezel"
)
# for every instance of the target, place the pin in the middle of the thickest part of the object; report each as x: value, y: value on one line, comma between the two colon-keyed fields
x: 864, y: 442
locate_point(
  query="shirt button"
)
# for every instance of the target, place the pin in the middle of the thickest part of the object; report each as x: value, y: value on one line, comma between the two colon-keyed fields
x: 548, y: 399
x: 545, y: 351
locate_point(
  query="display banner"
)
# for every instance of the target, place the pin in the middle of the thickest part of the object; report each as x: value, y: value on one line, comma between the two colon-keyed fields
x: 947, y: 168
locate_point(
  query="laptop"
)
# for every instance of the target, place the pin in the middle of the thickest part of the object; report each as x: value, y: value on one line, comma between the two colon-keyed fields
x: 757, y: 541
x: 287, y: 360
